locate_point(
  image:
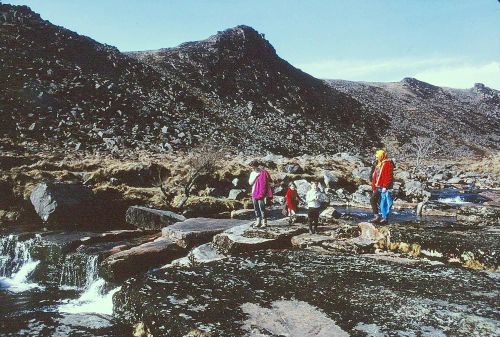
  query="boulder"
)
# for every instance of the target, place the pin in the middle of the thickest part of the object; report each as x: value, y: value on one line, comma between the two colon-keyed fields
x: 201, y: 254
x: 120, y: 266
x: 292, y: 168
x: 330, y: 179
x: 329, y: 214
x: 302, y: 187
x: 196, y: 231
x: 362, y: 173
x: 360, y: 198
x: 64, y: 203
x: 150, y: 218
x: 236, y: 194
x: 455, y: 181
x: 415, y: 190
x: 244, y: 238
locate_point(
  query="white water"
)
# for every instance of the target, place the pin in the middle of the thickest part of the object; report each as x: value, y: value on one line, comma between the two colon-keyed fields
x: 16, y: 263
x: 454, y: 200
x: 76, y: 276
x: 94, y: 299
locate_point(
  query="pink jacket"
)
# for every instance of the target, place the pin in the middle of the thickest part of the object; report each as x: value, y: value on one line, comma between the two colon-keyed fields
x: 263, y: 186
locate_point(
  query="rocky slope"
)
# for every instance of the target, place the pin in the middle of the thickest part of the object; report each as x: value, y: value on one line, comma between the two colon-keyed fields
x: 68, y: 91
x: 463, y: 121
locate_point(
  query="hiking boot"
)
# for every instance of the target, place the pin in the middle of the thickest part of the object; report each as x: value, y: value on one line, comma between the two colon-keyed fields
x: 376, y: 219
x: 257, y: 223
x: 264, y: 223
x: 383, y: 222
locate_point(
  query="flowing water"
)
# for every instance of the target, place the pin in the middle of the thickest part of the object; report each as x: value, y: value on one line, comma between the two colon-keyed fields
x: 80, y: 303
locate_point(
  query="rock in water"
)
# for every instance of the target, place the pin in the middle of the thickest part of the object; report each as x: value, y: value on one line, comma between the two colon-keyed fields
x: 150, y: 218
x: 64, y: 203
x: 126, y: 263
x: 196, y: 231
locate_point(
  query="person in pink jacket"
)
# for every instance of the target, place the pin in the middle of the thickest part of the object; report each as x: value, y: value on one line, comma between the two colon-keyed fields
x: 260, y: 180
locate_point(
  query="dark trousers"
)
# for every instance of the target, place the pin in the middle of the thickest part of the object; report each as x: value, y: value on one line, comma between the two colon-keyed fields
x: 375, y: 201
x: 259, y: 206
x: 313, y: 216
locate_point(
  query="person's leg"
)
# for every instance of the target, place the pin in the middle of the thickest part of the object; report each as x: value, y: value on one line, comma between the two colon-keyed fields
x: 310, y: 220
x: 375, y: 201
x: 291, y: 216
x: 256, y: 209
x: 385, y: 206
x: 262, y: 207
x: 315, y: 220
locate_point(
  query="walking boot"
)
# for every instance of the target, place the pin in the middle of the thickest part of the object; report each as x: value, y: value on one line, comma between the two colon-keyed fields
x: 264, y: 223
x: 376, y: 219
x: 257, y: 223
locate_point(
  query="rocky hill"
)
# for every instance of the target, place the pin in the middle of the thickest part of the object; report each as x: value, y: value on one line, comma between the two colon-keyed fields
x: 463, y: 121
x: 67, y: 91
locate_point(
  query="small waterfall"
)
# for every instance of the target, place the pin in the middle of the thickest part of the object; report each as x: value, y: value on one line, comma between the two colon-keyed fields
x: 16, y: 263
x: 79, y: 271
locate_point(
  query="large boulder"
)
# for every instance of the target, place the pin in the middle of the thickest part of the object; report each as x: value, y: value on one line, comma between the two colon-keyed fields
x: 330, y: 179
x: 126, y: 263
x: 60, y: 203
x: 236, y: 194
x: 415, y: 190
x: 150, y: 218
x: 244, y: 238
x: 302, y: 187
x: 293, y: 168
x: 362, y: 173
x: 329, y: 214
x: 196, y: 231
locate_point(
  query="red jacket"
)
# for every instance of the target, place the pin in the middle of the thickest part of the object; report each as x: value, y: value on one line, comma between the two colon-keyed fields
x: 292, y: 199
x: 382, y: 176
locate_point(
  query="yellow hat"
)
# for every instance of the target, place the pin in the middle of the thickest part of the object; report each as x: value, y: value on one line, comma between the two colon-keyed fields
x: 380, y: 154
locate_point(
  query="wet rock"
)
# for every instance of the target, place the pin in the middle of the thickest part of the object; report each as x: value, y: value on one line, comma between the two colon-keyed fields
x: 236, y: 194
x: 293, y: 318
x: 124, y: 264
x: 308, y: 240
x: 201, y: 254
x: 196, y: 231
x: 479, y: 215
x: 150, y: 218
x: 431, y: 208
x: 329, y: 214
x: 244, y: 238
x: 64, y: 203
x: 324, y: 282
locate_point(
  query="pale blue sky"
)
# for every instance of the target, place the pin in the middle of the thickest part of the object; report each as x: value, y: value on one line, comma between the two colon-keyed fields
x: 445, y: 42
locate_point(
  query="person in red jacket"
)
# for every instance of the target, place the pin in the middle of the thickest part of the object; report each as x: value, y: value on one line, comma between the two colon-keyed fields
x: 382, y: 181
x: 292, y: 200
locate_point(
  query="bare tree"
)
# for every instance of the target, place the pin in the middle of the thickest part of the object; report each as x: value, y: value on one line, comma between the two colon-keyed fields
x: 200, y: 161
x: 422, y: 147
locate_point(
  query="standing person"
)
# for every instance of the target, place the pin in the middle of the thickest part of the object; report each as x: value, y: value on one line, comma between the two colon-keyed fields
x: 292, y: 202
x: 260, y: 180
x: 382, y: 180
x: 313, y: 205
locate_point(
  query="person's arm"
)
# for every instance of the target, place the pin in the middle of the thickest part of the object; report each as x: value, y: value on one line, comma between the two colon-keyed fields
x: 253, y: 177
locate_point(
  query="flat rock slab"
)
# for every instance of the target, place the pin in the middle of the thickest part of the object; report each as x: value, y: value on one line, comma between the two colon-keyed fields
x: 151, y: 218
x: 308, y: 240
x: 126, y: 263
x: 196, y: 231
x: 245, y: 238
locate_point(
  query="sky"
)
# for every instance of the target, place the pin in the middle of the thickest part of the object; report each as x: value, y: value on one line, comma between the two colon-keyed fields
x: 453, y: 43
